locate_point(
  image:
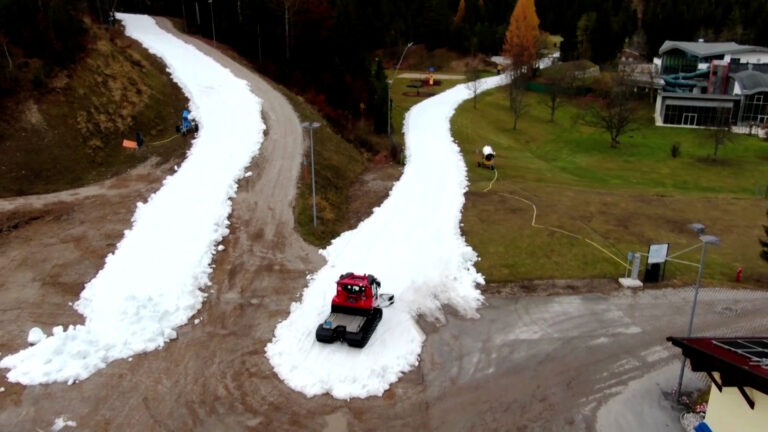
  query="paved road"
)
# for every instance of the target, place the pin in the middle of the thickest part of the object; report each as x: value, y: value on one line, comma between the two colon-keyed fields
x: 529, y: 363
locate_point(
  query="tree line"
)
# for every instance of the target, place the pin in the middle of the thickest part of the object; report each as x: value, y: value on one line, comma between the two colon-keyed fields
x: 328, y: 50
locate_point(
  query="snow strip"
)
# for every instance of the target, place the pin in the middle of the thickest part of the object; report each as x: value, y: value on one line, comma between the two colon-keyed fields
x: 153, y: 282
x: 62, y: 422
x: 413, y: 244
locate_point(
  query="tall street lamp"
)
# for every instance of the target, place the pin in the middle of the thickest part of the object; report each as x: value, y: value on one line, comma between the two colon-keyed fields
x: 389, y: 92
x: 705, y: 240
x: 213, y: 27
x: 312, y: 126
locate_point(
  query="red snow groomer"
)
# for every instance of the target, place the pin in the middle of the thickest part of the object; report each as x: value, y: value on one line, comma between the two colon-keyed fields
x: 355, y: 310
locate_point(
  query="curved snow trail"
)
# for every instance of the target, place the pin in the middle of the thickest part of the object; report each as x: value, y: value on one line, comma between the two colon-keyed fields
x: 152, y: 283
x: 413, y: 244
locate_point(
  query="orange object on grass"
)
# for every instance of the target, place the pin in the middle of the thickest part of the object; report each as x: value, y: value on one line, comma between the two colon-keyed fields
x: 130, y: 144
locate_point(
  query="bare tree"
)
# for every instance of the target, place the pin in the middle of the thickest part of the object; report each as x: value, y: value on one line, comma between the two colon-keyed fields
x: 764, y: 242
x: 615, y: 113
x: 288, y: 7
x: 562, y: 81
x: 4, y: 41
x: 517, y: 96
x: 553, y: 101
x: 720, y: 132
x: 474, y: 73
x: 652, y: 75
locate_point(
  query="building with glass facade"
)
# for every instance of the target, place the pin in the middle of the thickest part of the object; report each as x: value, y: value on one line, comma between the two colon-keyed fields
x: 713, y: 85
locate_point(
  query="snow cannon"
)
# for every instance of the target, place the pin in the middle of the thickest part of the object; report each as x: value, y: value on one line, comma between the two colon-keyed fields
x: 187, y: 125
x: 355, y: 310
x: 486, y: 160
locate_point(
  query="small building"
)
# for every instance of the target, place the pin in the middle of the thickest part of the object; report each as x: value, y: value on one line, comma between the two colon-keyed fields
x: 712, y: 84
x: 738, y: 369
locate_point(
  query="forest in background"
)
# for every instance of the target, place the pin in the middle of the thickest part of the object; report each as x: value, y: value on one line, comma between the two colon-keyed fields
x: 332, y: 51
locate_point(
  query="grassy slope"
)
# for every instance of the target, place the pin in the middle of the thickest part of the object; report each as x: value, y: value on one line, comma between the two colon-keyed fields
x: 622, y: 199
x: 338, y: 163
x: 70, y: 134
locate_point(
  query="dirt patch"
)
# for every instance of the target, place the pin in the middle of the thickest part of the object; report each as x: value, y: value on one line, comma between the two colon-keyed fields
x: 15, y: 219
x: 31, y: 115
x: 370, y: 191
x: 543, y: 288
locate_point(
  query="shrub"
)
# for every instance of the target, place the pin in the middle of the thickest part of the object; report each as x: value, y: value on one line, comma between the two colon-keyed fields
x: 675, y: 150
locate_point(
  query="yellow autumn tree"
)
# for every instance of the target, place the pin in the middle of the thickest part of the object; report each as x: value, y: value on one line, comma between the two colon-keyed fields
x: 522, y: 36
x: 460, y: 13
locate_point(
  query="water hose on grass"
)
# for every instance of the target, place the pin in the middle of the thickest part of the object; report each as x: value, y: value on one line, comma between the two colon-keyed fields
x: 535, y: 225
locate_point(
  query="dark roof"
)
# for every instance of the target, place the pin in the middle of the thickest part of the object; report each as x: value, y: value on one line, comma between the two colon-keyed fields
x: 707, y: 49
x: 751, y: 81
x: 736, y: 369
x: 707, y: 96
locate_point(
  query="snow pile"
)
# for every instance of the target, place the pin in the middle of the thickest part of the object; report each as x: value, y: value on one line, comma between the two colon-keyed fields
x: 152, y: 283
x: 62, y: 422
x: 35, y: 335
x: 413, y: 244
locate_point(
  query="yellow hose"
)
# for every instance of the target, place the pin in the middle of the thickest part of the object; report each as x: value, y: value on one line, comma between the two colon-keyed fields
x: 163, y: 141
x: 535, y: 225
x: 495, y: 174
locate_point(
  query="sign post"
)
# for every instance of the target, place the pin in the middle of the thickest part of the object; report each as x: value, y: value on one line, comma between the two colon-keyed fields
x: 656, y: 264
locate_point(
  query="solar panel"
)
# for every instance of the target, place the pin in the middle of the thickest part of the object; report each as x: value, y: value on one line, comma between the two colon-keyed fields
x: 754, y: 349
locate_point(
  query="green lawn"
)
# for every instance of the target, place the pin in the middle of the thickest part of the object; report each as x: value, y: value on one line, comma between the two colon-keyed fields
x: 621, y: 199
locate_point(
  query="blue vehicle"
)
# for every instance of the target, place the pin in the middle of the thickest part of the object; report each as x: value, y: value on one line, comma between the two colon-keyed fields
x: 186, y: 124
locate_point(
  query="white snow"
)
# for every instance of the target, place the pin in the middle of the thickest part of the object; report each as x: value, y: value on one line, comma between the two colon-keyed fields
x: 413, y: 244
x: 35, y: 335
x: 153, y: 281
x: 62, y: 422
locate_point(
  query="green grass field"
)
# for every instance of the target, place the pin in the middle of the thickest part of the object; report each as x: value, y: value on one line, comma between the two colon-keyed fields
x: 621, y: 199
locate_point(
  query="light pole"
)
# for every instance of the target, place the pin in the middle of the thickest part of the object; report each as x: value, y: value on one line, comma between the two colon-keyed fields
x: 389, y: 92
x: 705, y: 239
x: 311, y: 127
x: 213, y: 27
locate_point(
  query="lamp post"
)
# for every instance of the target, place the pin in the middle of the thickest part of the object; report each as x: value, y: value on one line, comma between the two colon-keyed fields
x: 389, y: 92
x: 705, y: 239
x: 312, y: 126
x: 213, y: 27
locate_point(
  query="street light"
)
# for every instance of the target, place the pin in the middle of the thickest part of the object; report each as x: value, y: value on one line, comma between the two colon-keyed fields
x: 213, y: 27
x: 389, y: 92
x: 705, y: 239
x: 311, y: 127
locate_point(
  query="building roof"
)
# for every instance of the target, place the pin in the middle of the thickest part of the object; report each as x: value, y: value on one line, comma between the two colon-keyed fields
x: 751, y: 81
x: 737, y: 363
x: 707, y: 49
x: 702, y: 96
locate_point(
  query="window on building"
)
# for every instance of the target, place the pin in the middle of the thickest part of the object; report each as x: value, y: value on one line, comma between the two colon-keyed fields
x: 704, y: 116
x: 675, y: 62
x: 755, y: 109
